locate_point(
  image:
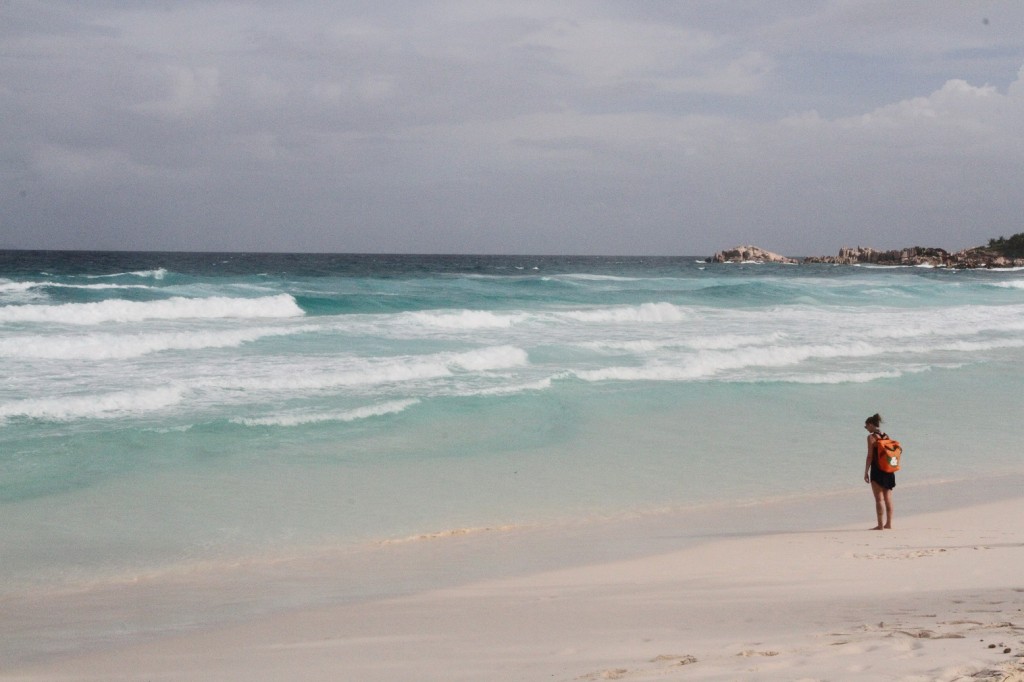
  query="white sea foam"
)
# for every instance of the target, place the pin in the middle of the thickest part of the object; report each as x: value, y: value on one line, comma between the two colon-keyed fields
x: 7, y: 285
x: 962, y: 346
x: 838, y: 377
x: 414, y: 324
x: 645, y: 312
x: 707, y: 364
x: 158, y: 273
x: 484, y: 359
x: 1012, y: 284
x: 366, y: 412
x: 26, y: 286
x: 718, y: 342
x: 19, y: 293
x: 462, y: 319
x: 360, y: 372
x: 363, y: 374
x: 639, y: 346
x: 593, y: 278
x: 730, y: 341
x: 94, y: 286
x: 101, y: 312
x: 99, y: 406
x: 512, y: 389
x: 997, y: 271
x: 954, y: 321
x: 103, y: 346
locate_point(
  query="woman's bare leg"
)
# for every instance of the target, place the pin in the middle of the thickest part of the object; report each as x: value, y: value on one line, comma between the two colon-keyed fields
x: 879, y: 493
x: 887, y: 499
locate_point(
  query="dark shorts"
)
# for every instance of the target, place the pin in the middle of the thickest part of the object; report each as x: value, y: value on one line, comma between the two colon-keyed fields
x: 886, y: 479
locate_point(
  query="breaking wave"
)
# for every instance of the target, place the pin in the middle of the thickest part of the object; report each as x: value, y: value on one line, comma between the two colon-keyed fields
x: 373, y: 371
x: 367, y: 412
x: 98, y: 406
x: 176, y: 308
x: 104, y: 346
x: 645, y: 312
x: 462, y: 319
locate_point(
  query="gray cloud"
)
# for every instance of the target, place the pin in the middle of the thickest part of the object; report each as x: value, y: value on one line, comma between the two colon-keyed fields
x: 532, y: 127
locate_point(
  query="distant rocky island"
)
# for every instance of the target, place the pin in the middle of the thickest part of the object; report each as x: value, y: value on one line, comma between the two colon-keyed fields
x: 749, y: 254
x: 1000, y: 253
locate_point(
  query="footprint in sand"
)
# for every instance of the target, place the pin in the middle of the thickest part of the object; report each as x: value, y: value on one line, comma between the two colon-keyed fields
x: 666, y: 660
x: 902, y: 554
x: 928, y: 634
x: 609, y: 674
x: 674, y: 660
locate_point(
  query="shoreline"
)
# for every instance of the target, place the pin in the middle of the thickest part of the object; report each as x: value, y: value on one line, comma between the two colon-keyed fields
x: 640, y: 595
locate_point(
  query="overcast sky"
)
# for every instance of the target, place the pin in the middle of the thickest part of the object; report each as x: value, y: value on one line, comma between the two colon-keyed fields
x: 487, y: 126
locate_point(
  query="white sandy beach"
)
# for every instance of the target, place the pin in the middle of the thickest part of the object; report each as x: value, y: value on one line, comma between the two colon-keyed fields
x: 941, y: 597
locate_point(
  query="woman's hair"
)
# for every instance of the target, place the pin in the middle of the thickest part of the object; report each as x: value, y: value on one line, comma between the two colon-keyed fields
x: 874, y: 420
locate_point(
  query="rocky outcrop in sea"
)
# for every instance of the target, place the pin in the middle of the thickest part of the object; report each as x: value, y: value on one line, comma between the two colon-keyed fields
x: 749, y: 254
x: 979, y: 257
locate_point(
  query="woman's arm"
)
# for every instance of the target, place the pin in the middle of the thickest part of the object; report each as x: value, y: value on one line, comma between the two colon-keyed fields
x: 871, y: 455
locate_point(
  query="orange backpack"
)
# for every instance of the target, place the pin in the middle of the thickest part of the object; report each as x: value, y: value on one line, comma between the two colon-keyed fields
x: 889, y: 452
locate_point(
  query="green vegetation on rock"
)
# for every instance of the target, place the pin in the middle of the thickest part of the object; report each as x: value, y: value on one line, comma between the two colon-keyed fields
x: 1010, y: 248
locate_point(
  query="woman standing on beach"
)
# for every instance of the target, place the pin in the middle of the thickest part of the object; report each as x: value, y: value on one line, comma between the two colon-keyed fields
x: 882, y: 482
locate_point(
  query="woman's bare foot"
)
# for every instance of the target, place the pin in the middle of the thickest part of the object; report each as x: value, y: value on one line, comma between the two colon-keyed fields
x: 876, y: 528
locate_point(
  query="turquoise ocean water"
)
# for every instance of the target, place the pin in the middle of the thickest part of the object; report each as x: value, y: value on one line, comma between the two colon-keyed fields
x: 165, y: 410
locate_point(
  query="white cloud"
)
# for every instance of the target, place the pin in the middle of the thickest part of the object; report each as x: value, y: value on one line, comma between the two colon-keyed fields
x: 605, y: 53
x: 186, y: 92
x: 75, y: 165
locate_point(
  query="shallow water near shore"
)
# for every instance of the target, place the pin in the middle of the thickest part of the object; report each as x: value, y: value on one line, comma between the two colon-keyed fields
x: 166, y: 411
